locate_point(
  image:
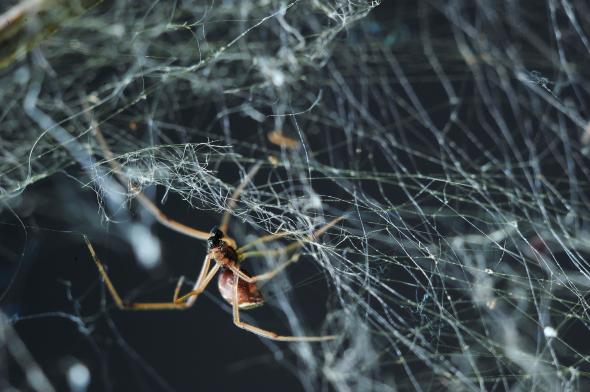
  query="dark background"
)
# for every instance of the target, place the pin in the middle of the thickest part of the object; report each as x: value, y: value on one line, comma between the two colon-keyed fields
x: 47, y: 273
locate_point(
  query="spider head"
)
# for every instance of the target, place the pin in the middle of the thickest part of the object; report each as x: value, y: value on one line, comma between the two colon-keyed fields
x: 215, y: 240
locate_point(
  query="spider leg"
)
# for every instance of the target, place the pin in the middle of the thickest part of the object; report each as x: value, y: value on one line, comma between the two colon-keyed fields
x: 169, y: 222
x: 143, y: 199
x: 264, y: 239
x: 199, y: 283
x: 191, y: 296
x: 142, y: 305
x: 267, y: 275
x: 266, y: 333
x: 271, y: 237
x: 177, y: 289
x: 236, y: 196
x: 270, y: 252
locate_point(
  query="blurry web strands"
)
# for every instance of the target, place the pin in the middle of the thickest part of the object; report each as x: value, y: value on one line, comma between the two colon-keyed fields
x: 10, y: 341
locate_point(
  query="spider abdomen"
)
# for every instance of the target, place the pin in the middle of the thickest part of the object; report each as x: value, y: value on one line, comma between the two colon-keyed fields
x: 249, y: 296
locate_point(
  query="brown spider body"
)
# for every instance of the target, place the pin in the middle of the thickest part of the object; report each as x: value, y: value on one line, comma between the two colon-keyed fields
x: 249, y: 296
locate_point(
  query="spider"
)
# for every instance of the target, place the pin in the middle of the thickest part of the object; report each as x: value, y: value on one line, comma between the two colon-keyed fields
x: 223, y: 251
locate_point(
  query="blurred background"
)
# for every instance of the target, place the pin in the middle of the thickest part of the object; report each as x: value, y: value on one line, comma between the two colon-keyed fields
x: 452, y: 136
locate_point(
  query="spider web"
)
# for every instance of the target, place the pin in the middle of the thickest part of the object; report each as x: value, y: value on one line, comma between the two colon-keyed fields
x: 452, y: 136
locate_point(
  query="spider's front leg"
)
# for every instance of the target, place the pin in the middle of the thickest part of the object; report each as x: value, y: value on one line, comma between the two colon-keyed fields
x: 243, y: 254
x: 267, y: 275
x: 175, y: 305
x: 190, y: 297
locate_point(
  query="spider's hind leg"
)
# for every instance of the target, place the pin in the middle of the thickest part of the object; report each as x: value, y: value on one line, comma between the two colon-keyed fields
x: 264, y: 332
